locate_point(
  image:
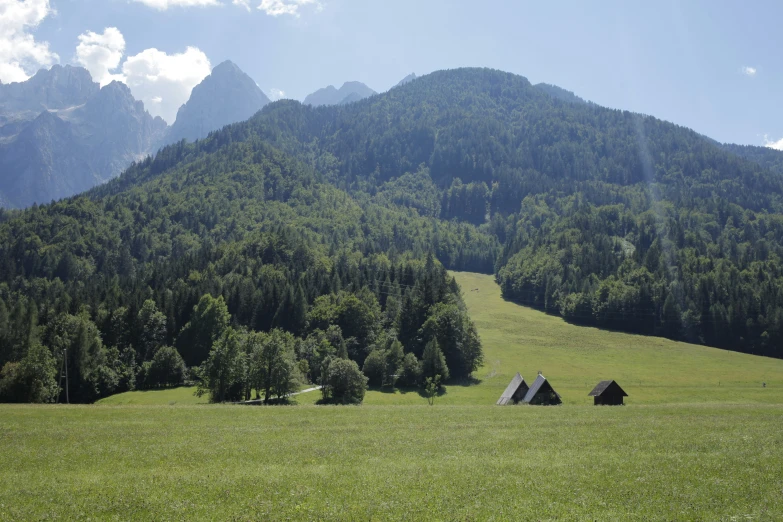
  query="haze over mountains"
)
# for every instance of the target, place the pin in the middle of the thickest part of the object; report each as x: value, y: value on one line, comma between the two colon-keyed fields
x: 350, y: 92
x: 61, y: 133
x: 228, y: 95
x: 409, y: 78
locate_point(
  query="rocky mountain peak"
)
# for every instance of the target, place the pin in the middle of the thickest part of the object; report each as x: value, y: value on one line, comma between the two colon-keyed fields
x: 228, y: 95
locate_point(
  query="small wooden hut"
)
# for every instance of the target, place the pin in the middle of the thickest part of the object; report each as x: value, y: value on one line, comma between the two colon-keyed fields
x: 515, y: 391
x: 607, y: 393
x: 542, y: 393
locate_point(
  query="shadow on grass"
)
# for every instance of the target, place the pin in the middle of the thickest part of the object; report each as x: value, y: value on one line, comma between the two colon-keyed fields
x: 332, y: 402
x: 161, y: 388
x: 392, y: 390
x: 441, y: 392
x: 285, y: 401
x: 403, y: 390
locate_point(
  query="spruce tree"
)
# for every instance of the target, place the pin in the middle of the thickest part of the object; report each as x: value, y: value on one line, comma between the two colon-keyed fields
x: 433, y: 362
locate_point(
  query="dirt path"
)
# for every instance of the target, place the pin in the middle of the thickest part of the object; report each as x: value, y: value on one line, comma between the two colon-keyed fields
x: 261, y: 401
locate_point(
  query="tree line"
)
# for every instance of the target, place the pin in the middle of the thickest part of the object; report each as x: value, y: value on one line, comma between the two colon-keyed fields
x: 122, y: 290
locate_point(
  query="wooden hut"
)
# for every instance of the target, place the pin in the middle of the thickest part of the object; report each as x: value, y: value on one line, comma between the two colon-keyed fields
x: 607, y: 393
x: 515, y: 391
x: 541, y: 392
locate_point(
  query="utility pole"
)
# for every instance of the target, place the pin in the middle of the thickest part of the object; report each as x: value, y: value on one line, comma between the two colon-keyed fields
x: 60, y: 381
x: 65, y: 360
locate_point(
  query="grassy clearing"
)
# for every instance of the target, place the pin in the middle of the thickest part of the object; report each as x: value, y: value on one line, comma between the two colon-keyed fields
x: 574, y: 358
x: 697, y: 462
x: 171, y: 396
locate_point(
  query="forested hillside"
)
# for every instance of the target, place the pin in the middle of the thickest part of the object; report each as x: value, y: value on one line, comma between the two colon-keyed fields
x: 336, y: 225
x: 767, y: 157
x: 607, y: 217
x: 217, y: 236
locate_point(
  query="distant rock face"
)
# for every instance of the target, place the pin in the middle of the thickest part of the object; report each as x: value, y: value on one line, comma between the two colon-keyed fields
x: 348, y: 93
x: 226, y: 96
x: 119, y: 129
x: 45, y: 161
x: 61, y: 134
x: 407, y: 79
x: 56, y: 88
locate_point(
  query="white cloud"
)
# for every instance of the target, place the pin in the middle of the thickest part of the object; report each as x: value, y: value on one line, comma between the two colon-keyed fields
x: 777, y: 145
x: 287, y: 7
x: 275, y: 94
x: 20, y: 54
x: 749, y: 71
x: 164, y: 81
x: 162, y: 5
x: 101, y: 53
x: 270, y: 7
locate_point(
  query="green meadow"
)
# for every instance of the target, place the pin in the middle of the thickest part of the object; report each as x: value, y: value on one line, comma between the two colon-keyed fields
x: 652, y: 370
x: 699, y: 439
x: 171, y: 396
x: 694, y: 462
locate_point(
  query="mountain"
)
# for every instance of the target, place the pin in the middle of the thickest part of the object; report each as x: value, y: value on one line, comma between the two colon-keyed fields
x: 228, y: 231
x: 351, y: 98
x: 44, y: 160
x: 117, y: 129
x: 336, y: 225
x: 407, y: 79
x: 60, y: 134
x: 226, y: 96
x: 348, y: 93
x: 57, y: 88
x: 607, y: 218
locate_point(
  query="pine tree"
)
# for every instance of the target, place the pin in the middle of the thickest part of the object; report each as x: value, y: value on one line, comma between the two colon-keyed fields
x: 433, y: 362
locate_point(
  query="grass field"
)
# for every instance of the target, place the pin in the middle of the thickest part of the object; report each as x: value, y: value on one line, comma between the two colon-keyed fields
x: 698, y: 462
x: 700, y: 439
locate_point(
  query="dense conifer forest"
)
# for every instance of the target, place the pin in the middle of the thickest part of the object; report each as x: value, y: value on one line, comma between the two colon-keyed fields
x: 206, y: 245
x: 325, y: 234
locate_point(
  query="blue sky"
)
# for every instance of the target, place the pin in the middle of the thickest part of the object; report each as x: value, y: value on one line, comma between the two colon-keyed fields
x: 713, y: 66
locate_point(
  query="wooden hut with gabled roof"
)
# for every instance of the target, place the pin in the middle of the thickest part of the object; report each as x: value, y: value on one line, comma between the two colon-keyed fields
x: 541, y: 392
x: 515, y: 391
x: 607, y: 393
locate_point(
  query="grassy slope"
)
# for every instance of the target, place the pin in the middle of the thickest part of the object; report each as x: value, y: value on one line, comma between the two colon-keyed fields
x: 652, y: 370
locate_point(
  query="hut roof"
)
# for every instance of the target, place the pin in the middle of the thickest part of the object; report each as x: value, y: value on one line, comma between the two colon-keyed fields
x: 607, y: 386
x: 511, y: 389
x: 539, y: 383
